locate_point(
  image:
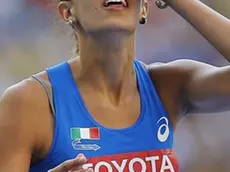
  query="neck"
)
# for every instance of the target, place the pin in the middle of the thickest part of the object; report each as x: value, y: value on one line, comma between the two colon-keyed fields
x: 107, y: 63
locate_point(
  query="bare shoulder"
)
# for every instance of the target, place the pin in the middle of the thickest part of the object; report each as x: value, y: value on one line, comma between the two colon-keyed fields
x: 178, y: 70
x: 170, y: 79
x: 181, y: 65
x: 21, y: 97
x: 25, y: 103
x: 26, y: 94
x: 23, y: 109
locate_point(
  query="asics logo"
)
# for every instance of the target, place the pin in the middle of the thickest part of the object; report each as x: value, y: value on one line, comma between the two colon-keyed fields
x: 163, y: 130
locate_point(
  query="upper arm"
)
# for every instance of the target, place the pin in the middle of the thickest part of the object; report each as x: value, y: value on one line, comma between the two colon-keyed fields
x: 191, y: 86
x: 207, y: 87
x: 17, y: 133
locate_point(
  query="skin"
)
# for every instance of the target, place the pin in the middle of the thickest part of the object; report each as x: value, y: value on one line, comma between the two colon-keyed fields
x: 184, y: 86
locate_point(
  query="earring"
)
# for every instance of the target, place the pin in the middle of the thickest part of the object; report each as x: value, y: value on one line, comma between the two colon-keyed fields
x: 71, y: 23
x: 161, y: 4
x: 143, y: 20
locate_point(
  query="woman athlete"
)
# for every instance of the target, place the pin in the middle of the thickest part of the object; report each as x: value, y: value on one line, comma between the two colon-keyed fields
x: 104, y: 110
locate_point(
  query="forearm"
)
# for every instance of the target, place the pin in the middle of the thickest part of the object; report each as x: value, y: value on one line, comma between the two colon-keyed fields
x: 212, y: 25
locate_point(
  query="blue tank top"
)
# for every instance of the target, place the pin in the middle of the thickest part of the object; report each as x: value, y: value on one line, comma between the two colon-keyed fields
x: 144, y: 146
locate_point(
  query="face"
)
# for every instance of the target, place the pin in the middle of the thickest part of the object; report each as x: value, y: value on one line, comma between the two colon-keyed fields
x: 93, y: 15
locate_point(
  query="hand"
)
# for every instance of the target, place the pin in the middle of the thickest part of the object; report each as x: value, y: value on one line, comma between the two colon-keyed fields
x: 73, y: 165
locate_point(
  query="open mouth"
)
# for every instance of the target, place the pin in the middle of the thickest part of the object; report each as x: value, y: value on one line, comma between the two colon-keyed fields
x: 108, y: 3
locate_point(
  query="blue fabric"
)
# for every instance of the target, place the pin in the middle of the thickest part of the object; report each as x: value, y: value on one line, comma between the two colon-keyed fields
x: 71, y: 112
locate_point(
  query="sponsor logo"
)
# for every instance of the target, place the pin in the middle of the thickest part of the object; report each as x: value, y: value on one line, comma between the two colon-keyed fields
x: 148, y: 161
x: 163, y: 130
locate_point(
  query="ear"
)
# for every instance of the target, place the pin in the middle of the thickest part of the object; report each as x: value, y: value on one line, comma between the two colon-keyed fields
x: 144, y: 8
x: 64, y: 10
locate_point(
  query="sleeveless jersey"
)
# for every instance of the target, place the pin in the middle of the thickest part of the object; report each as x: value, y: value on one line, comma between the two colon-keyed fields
x: 145, y: 146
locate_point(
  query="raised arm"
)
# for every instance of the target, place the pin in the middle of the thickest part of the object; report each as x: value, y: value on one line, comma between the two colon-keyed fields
x: 212, y: 25
x: 204, y: 88
x: 187, y: 86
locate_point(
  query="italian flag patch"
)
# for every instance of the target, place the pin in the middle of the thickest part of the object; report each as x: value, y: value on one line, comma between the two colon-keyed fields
x: 85, y: 133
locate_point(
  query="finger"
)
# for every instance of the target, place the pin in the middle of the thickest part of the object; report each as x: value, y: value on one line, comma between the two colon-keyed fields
x: 79, y: 170
x: 80, y: 155
x: 69, y: 164
x: 80, y: 166
x: 76, y: 168
x: 74, y: 163
x: 83, y: 170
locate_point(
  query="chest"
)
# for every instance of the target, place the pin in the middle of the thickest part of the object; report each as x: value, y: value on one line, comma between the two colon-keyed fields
x: 112, y: 113
x: 146, y: 145
x: 123, y: 153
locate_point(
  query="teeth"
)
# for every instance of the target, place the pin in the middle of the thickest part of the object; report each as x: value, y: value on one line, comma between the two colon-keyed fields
x: 121, y: 1
x: 124, y: 3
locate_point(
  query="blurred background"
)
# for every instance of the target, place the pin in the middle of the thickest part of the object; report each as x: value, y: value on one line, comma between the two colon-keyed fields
x: 32, y: 38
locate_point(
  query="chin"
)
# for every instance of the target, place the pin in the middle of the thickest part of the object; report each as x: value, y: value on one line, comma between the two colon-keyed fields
x: 114, y: 26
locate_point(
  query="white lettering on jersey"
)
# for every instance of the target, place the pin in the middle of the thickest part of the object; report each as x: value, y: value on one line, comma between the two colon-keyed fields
x: 125, y: 165
x: 153, y: 160
x: 103, y: 163
x: 137, y: 160
x: 121, y: 167
x: 166, y: 164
